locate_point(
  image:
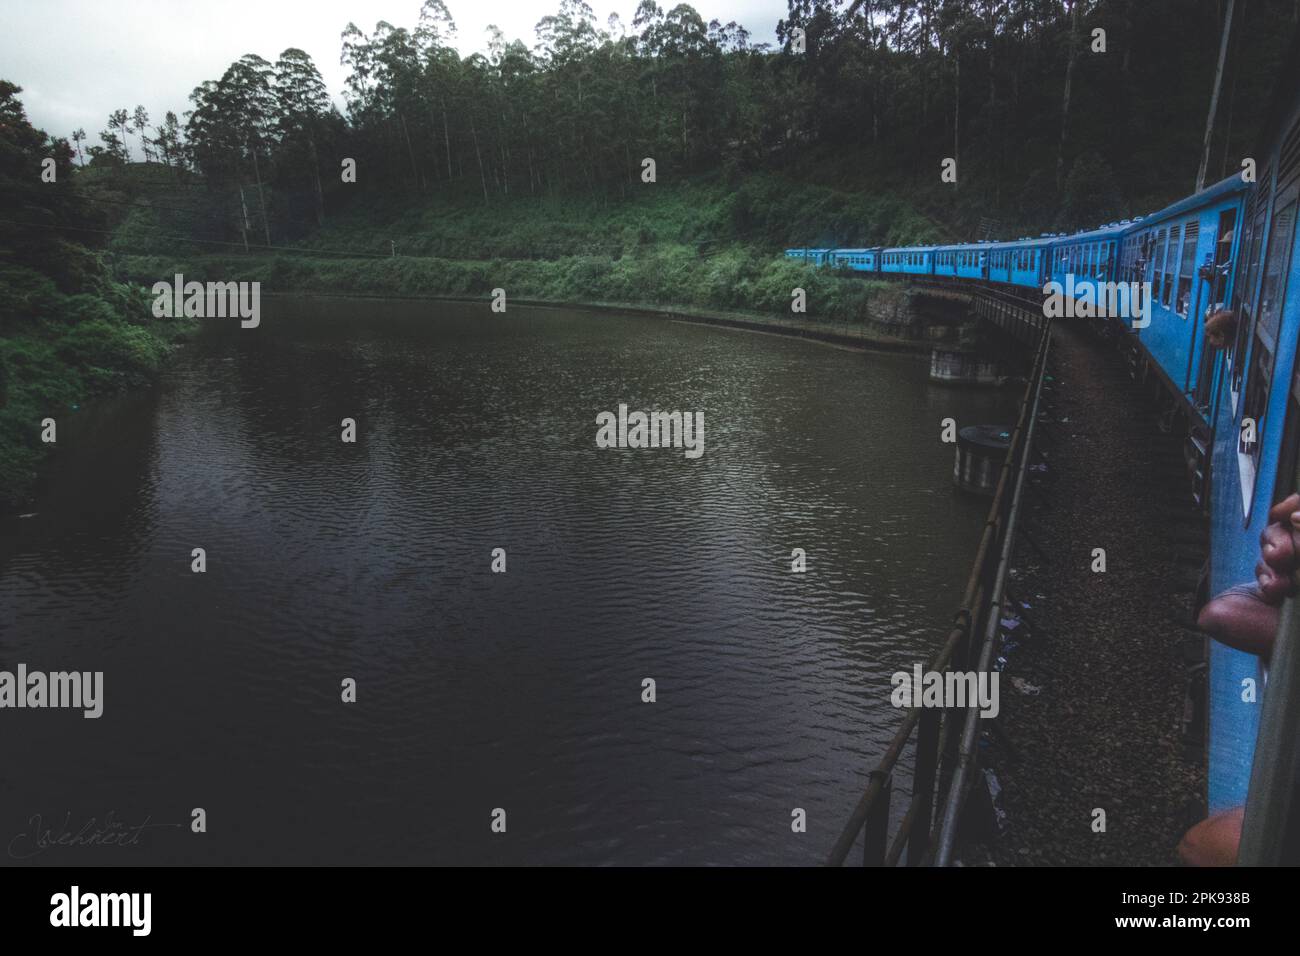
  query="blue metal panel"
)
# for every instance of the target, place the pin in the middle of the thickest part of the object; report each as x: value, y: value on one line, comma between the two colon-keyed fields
x: 1239, y: 509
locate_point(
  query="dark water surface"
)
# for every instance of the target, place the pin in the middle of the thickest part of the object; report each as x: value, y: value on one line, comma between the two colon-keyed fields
x: 477, y: 690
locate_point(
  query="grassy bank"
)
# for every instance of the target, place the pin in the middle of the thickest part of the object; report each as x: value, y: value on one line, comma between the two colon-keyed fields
x: 704, y: 243
x: 732, y: 280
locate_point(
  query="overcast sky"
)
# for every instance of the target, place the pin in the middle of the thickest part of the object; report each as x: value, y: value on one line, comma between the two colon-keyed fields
x: 78, y: 60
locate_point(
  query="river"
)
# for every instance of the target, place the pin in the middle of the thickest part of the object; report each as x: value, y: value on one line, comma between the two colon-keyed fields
x: 328, y: 560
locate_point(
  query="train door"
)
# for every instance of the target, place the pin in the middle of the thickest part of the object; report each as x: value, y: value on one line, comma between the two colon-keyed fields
x: 1276, y: 269
x: 1214, y: 288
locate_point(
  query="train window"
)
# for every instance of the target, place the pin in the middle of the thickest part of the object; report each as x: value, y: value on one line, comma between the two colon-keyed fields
x: 1247, y: 299
x: 1272, y: 290
x: 1222, y: 255
x: 1171, y: 266
x: 1187, y: 268
x: 1158, y: 260
x: 1273, y: 287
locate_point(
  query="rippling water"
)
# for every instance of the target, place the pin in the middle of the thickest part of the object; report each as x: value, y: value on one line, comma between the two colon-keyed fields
x: 522, y: 690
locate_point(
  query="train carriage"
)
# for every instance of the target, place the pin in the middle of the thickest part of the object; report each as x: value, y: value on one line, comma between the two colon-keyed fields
x: 1083, y: 262
x: 965, y: 261
x: 816, y: 257
x: 908, y: 260
x: 1184, y: 255
x: 858, y: 260
x: 1019, y: 263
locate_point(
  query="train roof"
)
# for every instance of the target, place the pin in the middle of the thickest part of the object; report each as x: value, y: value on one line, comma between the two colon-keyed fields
x: 1111, y: 230
x: 910, y: 248
x: 1021, y: 243
x: 865, y: 249
x: 1207, y: 196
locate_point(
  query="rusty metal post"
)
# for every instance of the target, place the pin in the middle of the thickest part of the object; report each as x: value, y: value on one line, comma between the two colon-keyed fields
x: 927, y: 766
x: 875, y: 831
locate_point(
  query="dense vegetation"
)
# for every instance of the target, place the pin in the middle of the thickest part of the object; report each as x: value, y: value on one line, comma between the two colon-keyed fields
x: 68, y: 329
x: 522, y: 167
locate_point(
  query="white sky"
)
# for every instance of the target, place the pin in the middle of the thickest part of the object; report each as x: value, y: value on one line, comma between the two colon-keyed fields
x: 78, y: 60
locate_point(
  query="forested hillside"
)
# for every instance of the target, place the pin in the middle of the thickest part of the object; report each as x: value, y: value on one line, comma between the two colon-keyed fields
x: 1053, y: 125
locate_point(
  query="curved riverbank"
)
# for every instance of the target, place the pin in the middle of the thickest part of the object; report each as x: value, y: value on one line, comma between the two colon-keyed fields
x: 835, y: 333
x: 866, y: 336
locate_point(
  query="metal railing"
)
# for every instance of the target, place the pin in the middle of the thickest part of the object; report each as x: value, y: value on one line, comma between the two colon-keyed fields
x: 946, y: 738
x: 1022, y: 321
x: 1018, y: 316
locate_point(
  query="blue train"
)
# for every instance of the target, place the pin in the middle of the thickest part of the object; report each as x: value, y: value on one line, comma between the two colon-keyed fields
x: 1229, y: 248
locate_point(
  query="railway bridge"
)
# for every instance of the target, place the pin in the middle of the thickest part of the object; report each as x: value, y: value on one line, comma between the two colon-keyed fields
x: 1095, y: 756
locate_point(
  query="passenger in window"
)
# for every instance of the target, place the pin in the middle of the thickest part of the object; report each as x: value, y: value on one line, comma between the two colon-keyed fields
x: 1246, y: 617
x: 1220, y: 328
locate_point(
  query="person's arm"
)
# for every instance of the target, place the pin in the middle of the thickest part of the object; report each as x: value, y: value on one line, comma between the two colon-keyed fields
x: 1245, y: 616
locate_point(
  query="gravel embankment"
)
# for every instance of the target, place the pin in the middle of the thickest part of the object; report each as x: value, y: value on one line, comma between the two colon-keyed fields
x: 1093, y: 696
